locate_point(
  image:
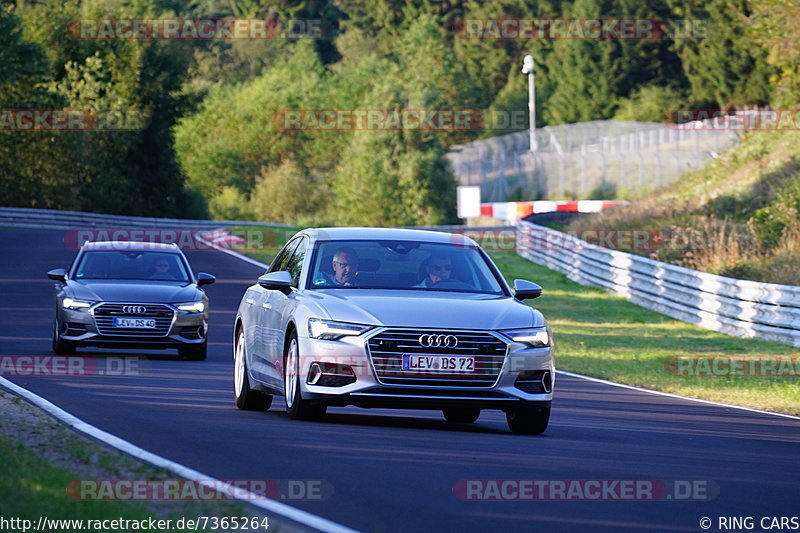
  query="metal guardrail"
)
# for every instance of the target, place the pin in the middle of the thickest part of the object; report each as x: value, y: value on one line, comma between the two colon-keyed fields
x: 49, y: 218
x: 742, y: 308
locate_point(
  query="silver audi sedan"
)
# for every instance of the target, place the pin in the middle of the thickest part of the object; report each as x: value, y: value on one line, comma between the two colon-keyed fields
x: 392, y: 318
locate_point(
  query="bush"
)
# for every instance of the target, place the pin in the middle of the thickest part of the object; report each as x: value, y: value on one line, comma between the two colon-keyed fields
x: 287, y: 194
x: 651, y: 104
x: 229, y: 204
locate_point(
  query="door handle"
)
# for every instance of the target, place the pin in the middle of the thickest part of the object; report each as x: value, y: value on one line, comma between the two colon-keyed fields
x: 266, y: 305
x: 249, y: 301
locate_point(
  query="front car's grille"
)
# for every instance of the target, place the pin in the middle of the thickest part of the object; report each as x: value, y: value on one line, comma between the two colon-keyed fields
x: 104, y: 315
x: 387, y: 348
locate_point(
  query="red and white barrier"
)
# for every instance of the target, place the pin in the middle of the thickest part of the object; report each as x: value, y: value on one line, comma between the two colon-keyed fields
x: 516, y: 210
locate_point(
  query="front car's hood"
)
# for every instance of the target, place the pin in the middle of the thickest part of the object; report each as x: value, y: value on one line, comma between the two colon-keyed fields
x: 134, y: 291
x: 424, y: 309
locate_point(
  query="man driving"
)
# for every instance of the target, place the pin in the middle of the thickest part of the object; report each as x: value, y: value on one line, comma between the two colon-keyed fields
x: 345, y: 267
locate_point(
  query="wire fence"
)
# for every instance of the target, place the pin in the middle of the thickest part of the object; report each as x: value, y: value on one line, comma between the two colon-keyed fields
x: 573, y: 161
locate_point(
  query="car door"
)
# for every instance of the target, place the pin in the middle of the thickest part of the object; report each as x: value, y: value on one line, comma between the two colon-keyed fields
x: 257, y: 303
x: 280, y: 308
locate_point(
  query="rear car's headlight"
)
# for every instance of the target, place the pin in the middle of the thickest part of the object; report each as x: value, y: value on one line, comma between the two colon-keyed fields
x: 535, y: 337
x: 192, y: 307
x: 331, y: 330
x: 71, y: 303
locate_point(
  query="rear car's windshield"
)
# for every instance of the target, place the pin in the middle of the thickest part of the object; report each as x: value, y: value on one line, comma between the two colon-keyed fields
x: 138, y: 265
x: 409, y: 265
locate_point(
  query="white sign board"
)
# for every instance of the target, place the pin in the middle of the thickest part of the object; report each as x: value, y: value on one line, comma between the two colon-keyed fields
x: 469, y: 201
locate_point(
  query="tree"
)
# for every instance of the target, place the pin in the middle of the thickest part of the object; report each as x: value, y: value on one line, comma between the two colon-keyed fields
x: 722, y: 60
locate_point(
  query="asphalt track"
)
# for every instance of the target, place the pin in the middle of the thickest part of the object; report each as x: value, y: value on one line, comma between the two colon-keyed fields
x: 396, y: 470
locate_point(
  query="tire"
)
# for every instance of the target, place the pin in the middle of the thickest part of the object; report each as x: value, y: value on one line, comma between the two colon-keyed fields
x: 296, y: 407
x: 461, y: 415
x: 245, y: 397
x: 528, y: 420
x: 61, y: 347
x: 193, y: 352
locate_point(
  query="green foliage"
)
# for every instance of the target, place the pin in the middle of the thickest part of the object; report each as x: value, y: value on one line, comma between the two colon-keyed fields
x: 604, y: 191
x: 229, y: 203
x: 651, y: 104
x: 592, y: 75
x: 238, y: 129
x: 722, y: 60
x: 212, y: 136
x: 771, y: 223
x: 775, y: 29
x: 288, y: 194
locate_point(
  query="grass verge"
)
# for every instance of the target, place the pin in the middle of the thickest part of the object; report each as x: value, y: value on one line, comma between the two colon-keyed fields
x: 42, y: 459
x: 605, y: 336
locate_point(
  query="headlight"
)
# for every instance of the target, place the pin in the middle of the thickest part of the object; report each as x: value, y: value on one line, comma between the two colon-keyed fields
x: 535, y: 337
x: 332, y: 330
x: 192, y: 307
x: 70, y: 303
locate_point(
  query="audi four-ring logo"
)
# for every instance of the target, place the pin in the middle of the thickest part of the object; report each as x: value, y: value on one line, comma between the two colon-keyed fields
x: 134, y: 309
x: 430, y: 340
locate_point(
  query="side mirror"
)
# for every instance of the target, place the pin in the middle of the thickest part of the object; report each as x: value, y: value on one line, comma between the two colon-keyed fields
x: 526, y: 290
x: 58, y: 274
x: 205, y: 279
x: 276, y: 281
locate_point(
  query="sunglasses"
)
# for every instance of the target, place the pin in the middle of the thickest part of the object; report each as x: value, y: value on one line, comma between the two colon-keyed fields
x: 446, y: 268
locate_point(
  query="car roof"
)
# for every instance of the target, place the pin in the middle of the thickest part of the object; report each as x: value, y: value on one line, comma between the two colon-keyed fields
x: 399, y: 234
x: 131, y: 245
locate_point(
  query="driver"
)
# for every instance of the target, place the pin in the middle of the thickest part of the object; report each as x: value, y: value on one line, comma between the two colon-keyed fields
x: 438, y: 268
x: 345, y: 267
x: 161, y: 269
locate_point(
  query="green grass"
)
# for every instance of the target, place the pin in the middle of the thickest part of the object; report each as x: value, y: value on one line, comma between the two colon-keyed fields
x: 605, y: 336
x: 39, y: 478
x: 32, y: 487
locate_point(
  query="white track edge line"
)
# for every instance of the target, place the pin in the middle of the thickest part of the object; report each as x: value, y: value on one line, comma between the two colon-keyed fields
x: 677, y: 396
x: 276, y: 508
x: 571, y: 374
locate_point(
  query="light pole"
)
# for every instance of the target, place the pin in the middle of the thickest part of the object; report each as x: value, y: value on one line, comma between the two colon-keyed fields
x: 527, y: 68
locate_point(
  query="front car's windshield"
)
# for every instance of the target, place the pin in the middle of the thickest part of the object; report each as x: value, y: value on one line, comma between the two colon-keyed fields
x: 131, y: 265
x: 408, y: 265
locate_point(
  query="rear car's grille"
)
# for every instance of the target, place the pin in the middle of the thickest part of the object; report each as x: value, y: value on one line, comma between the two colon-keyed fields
x: 387, y: 348
x: 104, y: 316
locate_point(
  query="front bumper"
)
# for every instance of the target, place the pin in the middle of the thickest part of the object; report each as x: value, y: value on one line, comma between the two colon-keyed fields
x: 526, y: 378
x: 81, y: 327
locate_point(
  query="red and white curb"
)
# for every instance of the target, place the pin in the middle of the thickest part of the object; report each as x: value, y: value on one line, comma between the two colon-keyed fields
x: 221, y: 238
x: 515, y: 210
